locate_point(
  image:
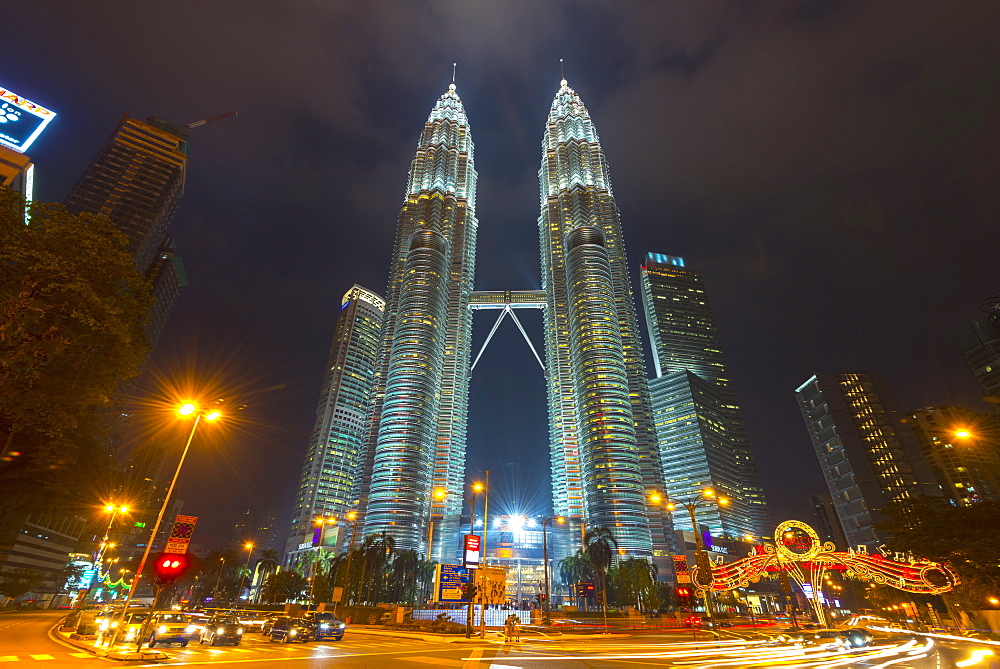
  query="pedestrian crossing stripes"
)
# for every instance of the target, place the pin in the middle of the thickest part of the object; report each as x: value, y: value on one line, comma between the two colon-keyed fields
x: 42, y: 657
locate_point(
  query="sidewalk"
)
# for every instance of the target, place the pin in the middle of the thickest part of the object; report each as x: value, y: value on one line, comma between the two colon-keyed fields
x: 492, y: 636
x: 125, y: 653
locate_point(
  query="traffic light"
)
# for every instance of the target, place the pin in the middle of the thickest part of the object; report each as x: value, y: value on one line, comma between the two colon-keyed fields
x: 171, y: 566
x: 685, y: 595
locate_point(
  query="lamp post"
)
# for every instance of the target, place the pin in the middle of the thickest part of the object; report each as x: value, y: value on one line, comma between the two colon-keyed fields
x: 704, y: 498
x: 439, y: 493
x: 187, y: 409
x: 545, y: 565
x: 215, y: 590
x: 249, y: 546
x: 353, y: 518
x: 476, y: 488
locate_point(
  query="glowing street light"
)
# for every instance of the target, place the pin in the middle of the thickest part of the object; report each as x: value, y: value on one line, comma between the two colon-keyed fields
x: 963, y: 433
x: 249, y: 546
x: 545, y: 560
x: 186, y: 409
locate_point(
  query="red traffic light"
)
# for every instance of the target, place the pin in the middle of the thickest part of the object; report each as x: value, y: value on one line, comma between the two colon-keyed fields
x: 171, y: 566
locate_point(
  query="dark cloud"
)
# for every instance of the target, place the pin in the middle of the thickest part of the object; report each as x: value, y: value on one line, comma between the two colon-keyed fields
x: 831, y: 166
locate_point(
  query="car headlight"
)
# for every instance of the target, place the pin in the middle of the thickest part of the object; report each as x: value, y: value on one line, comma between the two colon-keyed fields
x: 291, y: 632
x: 130, y: 635
x: 189, y: 629
x: 221, y: 630
x: 324, y: 626
x: 114, y: 624
x: 239, y: 630
x: 162, y: 629
x: 343, y: 625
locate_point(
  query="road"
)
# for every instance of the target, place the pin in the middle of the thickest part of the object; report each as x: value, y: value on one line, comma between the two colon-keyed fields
x: 24, y: 639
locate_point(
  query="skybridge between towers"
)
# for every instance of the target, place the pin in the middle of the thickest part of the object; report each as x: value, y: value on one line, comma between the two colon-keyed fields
x: 506, y: 301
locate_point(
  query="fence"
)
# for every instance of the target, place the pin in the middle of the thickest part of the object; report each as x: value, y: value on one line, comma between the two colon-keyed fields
x: 494, y: 617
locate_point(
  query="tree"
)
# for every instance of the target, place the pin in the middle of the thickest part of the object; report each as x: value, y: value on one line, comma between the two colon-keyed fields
x: 961, y: 536
x: 575, y: 568
x: 19, y: 582
x: 597, y: 544
x: 284, y: 586
x: 72, y: 311
x: 633, y: 583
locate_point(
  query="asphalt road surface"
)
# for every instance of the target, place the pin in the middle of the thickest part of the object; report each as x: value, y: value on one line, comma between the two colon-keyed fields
x: 24, y: 638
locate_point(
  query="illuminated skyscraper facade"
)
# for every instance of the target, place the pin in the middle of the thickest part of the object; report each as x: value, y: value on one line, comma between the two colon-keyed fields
x: 704, y: 426
x: 333, y: 454
x: 602, y: 443
x: 868, y: 456
x: 419, y: 409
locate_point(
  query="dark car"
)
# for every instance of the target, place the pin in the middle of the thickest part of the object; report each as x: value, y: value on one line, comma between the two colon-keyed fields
x: 859, y: 636
x: 327, y: 625
x: 265, y: 628
x: 222, y: 629
x: 287, y: 630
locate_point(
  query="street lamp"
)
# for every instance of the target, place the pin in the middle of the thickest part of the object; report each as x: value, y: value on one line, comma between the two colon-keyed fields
x: 186, y: 409
x: 545, y: 561
x: 249, y: 546
x: 476, y: 488
x: 962, y: 433
x: 353, y: 518
x: 215, y: 590
x: 704, y: 498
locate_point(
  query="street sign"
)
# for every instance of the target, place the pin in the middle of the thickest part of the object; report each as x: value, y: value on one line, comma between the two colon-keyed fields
x: 338, y: 594
x: 180, y: 535
x: 449, y: 583
x: 681, y: 570
x: 470, y: 556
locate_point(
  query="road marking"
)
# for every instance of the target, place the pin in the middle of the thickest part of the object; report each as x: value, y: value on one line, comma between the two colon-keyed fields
x: 473, y: 659
x: 42, y: 657
x: 436, y: 661
x: 8, y: 658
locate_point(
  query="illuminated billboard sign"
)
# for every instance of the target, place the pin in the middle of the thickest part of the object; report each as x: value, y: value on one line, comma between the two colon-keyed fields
x: 21, y: 120
x: 471, y: 553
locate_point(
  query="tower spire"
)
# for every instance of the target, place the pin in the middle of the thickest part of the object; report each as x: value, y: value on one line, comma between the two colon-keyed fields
x: 562, y: 74
x: 454, y: 66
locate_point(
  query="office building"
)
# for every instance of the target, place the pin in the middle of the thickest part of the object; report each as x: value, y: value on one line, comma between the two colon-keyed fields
x: 963, y: 451
x: 332, y: 463
x: 978, y: 341
x: 686, y: 347
x: 826, y: 522
x: 869, y: 457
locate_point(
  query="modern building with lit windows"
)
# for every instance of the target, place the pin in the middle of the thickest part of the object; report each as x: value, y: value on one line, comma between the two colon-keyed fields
x: 702, y: 438
x: 604, y: 455
x: 605, y: 458
x: 333, y: 453
x: 137, y: 180
x: 978, y: 341
x: 963, y: 451
x: 869, y: 457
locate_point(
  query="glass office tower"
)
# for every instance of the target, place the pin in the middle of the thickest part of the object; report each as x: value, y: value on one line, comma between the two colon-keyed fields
x: 685, y: 340
x: 333, y: 454
x: 419, y: 411
x: 603, y: 447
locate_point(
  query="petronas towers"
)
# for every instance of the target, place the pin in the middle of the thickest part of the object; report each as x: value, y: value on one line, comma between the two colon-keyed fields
x: 604, y: 455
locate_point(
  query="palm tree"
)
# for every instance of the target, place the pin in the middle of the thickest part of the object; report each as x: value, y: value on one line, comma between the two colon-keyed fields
x: 285, y: 585
x: 597, y: 544
x: 266, y: 565
x: 574, y: 569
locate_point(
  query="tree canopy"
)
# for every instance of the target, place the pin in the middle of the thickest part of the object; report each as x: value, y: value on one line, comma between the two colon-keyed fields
x: 72, y: 311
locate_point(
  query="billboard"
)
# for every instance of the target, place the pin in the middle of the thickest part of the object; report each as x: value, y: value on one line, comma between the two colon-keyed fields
x: 21, y: 120
x: 470, y: 556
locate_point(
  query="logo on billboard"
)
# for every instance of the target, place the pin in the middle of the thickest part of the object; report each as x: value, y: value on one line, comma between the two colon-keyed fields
x: 21, y: 120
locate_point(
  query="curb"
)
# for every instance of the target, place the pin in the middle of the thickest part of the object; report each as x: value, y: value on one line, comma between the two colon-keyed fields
x: 101, y: 653
x: 58, y: 638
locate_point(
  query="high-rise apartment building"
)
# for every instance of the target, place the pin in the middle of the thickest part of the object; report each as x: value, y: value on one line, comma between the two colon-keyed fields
x: 962, y: 448
x: 605, y: 458
x: 687, y: 354
x: 869, y: 457
x: 137, y: 180
x: 826, y: 522
x: 333, y: 454
x: 978, y: 341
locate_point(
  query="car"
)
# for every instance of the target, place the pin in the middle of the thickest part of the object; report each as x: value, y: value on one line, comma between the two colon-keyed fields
x: 693, y: 621
x: 328, y: 626
x: 832, y: 639
x: 859, y: 636
x: 133, y: 625
x: 288, y: 630
x: 170, y: 627
x: 265, y: 629
x: 220, y: 629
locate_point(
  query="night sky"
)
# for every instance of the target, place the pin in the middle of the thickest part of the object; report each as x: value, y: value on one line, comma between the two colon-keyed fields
x: 831, y: 167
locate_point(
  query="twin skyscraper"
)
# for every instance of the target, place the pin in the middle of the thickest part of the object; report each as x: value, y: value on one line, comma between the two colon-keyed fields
x: 385, y: 452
